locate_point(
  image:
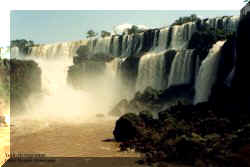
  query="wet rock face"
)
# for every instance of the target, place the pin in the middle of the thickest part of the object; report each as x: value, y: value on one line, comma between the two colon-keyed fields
x: 241, y: 82
x: 25, y: 79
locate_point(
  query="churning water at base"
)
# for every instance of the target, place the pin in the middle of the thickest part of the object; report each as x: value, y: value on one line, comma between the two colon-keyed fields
x: 60, y: 103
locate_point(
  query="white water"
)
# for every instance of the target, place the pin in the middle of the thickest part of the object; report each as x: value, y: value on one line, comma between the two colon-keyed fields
x: 181, y: 34
x: 61, y: 104
x: 151, y: 72
x: 57, y: 50
x: 229, y: 23
x: 163, y: 36
x: 14, y: 52
x: 115, y: 46
x: 207, y: 74
x: 181, y: 69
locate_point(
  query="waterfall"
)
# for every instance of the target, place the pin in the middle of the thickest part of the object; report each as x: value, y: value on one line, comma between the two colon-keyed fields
x: 66, y: 49
x: 160, y: 40
x: 181, y: 34
x: 14, y: 52
x: 182, y: 68
x: 128, y: 46
x: 102, y: 45
x: 112, y: 67
x: 156, y: 38
x: 115, y: 47
x: 152, y: 71
x: 207, y: 74
x: 227, y: 23
x: 153, y: 68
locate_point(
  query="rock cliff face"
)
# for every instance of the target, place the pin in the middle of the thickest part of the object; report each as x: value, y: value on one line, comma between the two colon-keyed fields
x: 19, y: 79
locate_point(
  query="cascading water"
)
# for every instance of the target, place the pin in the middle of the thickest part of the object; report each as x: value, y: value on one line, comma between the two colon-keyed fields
x: 67, y: 49
x: 64, y: 114
x: 207, y: 74
x: 151, y: 72
x: 227, y: 23
x: 151, y: 65
x: 163, y: 36
x: 103, y: 45
x: 182, y: 68
x: 116, y: 46
x: 130, y: 45
x: 181, y: 34
x: 14, y: 52
x: 60, y: 103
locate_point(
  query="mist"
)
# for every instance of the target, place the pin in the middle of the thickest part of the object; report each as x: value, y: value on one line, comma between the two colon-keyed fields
x: 59, y: 103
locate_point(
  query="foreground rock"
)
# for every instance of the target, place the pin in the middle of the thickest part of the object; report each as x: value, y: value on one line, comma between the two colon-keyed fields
x: 128, y: 127
x: 187, y: 134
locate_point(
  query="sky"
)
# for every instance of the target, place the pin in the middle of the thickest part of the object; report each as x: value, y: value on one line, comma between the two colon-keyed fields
x: 58, y: 26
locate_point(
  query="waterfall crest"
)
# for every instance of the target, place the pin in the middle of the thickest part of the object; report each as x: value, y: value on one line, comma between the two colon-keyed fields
x: 66, y: 49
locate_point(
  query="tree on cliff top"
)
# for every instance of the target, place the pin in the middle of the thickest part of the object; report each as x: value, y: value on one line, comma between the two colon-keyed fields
x: 21, y: 43
x: 91, y: 33
x: 134, y: 30
x: 105, y: 33
x: 183, y: 20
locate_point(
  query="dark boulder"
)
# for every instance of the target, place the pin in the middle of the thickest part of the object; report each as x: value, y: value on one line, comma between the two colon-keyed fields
x: 147, y: 117
x: 128, y: 127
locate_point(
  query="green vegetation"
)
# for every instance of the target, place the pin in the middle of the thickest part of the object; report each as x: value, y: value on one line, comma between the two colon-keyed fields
x: 91, y: 33
x: 183, y: 20
x: 22, y: 44
x: 105, y: 34
x: 205, y: 37
x: 133, y: 30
